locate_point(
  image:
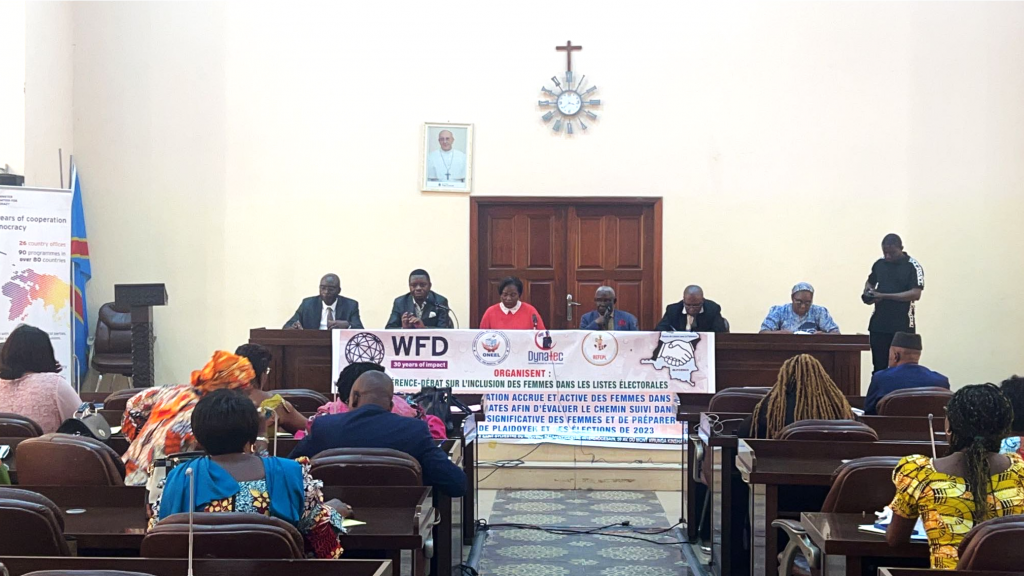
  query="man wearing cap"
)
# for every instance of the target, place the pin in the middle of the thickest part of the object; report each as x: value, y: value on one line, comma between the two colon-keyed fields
x: 903, y: 372
x: 801, y: 316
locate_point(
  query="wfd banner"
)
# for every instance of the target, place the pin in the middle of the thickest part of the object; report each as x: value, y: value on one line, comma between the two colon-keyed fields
x: 549, y: 385
x: 35, y: 265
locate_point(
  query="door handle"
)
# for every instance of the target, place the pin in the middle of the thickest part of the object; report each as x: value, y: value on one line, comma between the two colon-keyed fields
x: 568, y: 309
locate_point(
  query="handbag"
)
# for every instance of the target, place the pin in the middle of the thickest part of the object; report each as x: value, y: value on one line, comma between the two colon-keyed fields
x: 86, y: 422
x: 439, y: 402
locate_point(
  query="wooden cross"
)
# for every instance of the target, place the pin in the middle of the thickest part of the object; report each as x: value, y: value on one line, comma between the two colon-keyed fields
x: 568, y: 53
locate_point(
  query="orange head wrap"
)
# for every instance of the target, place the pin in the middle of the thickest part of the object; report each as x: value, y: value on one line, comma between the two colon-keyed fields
x: 224, y: 370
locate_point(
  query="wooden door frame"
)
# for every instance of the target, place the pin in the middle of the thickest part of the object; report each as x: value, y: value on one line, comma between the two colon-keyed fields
x: 477, y: 203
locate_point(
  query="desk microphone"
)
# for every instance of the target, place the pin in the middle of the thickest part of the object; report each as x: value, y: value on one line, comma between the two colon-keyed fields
x: 191, y: 509
x: 534, y: 321
x: 432, y: 300
x: 931, y: 432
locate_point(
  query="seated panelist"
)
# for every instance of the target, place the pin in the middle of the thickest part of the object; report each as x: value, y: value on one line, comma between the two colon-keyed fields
x: 607, y: 316
x: 327, y: 311
x: 370, y: 423
x: 511, y: 313
x: 800, y: 316
x: 421, y: 307
x: 693, y: 314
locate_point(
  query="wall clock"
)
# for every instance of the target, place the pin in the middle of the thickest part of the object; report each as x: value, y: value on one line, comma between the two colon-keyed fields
x: 570, y: 101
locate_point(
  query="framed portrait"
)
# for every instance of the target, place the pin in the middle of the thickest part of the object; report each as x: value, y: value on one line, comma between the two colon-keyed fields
x: 447, y: 158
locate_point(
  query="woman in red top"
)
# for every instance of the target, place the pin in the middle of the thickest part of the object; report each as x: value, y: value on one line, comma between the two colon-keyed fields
x: 511, y: 313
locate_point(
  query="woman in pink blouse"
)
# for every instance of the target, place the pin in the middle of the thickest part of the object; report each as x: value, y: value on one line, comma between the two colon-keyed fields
x: 30, y: 383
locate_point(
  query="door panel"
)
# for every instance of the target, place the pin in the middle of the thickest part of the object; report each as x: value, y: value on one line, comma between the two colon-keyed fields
x: 568, y: 246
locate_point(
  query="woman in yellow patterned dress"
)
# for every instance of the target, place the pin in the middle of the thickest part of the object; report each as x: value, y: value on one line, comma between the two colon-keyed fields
x: 970, y: 485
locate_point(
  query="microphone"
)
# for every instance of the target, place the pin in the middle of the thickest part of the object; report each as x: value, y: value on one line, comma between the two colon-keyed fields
x: 931, y: 432
x: 191, y: 509
x: 534, y: 321
x: 432, y: 300
x: 276, y: 430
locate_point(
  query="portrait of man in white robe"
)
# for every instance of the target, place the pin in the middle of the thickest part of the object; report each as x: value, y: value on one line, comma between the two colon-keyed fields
x: 447, y: 164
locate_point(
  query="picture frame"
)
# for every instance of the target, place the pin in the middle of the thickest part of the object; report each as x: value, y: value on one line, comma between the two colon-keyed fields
x: 446, y: 161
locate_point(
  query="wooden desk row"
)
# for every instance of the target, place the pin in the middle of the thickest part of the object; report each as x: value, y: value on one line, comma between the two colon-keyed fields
x: 758, y: 468
x: 114, y: 520
x: 20, y: 565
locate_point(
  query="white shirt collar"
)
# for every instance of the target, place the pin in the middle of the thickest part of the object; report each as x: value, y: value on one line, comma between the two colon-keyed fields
x: 333, y: 307
x: 513, y: 310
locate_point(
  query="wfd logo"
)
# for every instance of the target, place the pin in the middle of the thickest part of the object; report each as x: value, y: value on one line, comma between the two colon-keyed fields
x: 405, y: 345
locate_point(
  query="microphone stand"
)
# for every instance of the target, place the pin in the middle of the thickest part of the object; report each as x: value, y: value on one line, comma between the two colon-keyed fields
x: 191, y: 509
x: 931, y: 432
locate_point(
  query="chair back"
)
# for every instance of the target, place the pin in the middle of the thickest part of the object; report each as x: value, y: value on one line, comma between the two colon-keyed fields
x: 303, y: 400
x: 112, y: 348
x: 737, y: 399
x: 862, y: 485
x: 224, y: 535
x: 35, y: 526
x: 994, y: 545
x: 18, y: 426
x: 829, y: 431
x: 915, y: 402
x: 66, y: 460
x: 113, y: 330
x: 366, y: 467
x: 118, y: 400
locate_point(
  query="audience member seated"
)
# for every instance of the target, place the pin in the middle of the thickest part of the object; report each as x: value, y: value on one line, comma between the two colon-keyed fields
x: 30, y: 383
x: 260, y: 357
x: 371, y: 424
x: 903, y: 372
x: 974, y: 483
x: 511, y: 313
x: 1013, y: 389
x: 234, y: 479
x: 803, y: 391
x: 158, y: 421
x: 399, y: 406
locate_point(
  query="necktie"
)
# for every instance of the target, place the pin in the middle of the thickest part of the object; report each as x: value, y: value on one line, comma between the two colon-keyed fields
x: 330, y: 315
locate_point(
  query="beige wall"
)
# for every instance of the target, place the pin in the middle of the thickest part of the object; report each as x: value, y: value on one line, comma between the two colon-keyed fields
x: 239, y: 151
x: 49, y: 105
x: 12, y: 86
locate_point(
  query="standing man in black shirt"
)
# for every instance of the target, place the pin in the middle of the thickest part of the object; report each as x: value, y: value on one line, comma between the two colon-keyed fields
x: 895, y: 283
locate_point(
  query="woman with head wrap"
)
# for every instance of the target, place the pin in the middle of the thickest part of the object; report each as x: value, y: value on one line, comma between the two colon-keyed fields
x: 158, y: 421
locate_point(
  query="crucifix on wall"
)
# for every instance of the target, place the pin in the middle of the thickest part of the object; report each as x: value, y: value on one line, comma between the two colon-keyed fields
x: 568, y: 100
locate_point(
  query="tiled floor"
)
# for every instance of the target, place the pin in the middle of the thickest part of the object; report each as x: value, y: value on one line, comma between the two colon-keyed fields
x: 511, y: 551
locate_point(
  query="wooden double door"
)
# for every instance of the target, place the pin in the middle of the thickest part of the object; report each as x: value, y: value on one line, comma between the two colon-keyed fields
x: 563, y: 249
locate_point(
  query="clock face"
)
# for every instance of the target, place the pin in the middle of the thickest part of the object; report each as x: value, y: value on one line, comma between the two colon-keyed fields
x: 569, y: 103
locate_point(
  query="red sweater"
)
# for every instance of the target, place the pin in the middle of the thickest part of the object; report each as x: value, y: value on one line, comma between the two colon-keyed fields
x: 495, y: 318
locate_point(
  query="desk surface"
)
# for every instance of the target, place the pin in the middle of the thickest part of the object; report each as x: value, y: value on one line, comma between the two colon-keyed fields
x: 795, y: 462
x: 19, y: 565
x: 839, y: 534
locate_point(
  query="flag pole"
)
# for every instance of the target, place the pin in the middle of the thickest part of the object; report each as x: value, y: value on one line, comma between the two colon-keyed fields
x: 75, y: 372
x: 60, y: 163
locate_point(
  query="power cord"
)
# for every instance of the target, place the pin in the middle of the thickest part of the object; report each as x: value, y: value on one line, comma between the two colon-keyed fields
x: 584, y: 531
x: 499, y: 464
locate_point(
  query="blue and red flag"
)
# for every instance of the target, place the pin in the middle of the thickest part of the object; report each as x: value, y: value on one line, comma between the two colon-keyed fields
x: 81, y: 272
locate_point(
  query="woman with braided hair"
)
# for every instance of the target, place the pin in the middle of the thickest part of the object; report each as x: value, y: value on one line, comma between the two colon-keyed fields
x: 970, y: 485
x: 802, y: 391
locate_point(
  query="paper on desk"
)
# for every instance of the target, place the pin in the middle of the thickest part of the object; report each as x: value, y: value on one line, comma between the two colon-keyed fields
x: 115, y: 429
x: 349, y: 522
x: 884, y: 518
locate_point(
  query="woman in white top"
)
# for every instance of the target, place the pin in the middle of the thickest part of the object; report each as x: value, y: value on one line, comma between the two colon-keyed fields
x: 30, y: 383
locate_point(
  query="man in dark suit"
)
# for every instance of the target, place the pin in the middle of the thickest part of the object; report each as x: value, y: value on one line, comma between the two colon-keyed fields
x: 693, y: 314
x: 421, y: 307
x: 370, y: 424
x: 327, y: 311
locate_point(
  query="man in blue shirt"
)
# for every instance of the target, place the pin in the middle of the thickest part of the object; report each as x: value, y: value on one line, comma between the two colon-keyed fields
x: 607, y: 316
x: 903, y: 371
x: 800, y: 316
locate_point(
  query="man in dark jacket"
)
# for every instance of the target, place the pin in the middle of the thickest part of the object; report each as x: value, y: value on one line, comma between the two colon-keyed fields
x: 370, y: 424
x: 327, y: 311
x: 693, y: 314
x: 421, y: 307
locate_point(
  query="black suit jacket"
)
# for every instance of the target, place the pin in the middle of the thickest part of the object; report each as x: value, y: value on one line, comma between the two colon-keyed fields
x: 311, y: 308
x: 710, y: 320
x: 405, y: 304
x: 371, y: 426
